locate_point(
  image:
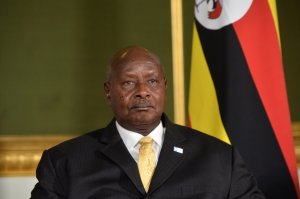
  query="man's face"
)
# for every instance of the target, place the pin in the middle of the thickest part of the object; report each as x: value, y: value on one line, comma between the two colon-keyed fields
x: 137, y: 92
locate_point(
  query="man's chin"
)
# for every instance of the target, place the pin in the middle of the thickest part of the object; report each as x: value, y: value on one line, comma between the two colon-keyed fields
x: 145, y: 118
x: 142, y: 123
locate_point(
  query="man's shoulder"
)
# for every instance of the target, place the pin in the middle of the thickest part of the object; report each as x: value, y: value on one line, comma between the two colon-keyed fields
x: 193, y: 136
x: 196, y: 137
x: 78, y: 143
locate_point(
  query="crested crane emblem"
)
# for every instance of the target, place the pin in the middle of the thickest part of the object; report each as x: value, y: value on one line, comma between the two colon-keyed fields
x: 215, y: 14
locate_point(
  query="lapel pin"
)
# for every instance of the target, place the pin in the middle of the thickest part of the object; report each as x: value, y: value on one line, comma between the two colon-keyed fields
x: 178, y: 150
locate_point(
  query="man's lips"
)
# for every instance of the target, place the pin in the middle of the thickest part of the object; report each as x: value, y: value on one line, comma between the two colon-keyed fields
x: 142, y: 106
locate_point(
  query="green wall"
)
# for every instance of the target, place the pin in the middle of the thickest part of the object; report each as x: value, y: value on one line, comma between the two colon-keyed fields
x: 289, y: 24
x: 53, y: 56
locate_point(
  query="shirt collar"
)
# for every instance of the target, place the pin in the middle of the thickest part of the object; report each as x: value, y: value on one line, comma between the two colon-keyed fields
x: 131, y: 138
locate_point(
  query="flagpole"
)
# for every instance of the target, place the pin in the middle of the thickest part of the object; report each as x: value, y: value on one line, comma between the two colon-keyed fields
x: 177, y: 58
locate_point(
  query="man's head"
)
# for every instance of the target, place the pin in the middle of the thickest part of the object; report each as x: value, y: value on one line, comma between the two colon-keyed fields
x: 136, y: 89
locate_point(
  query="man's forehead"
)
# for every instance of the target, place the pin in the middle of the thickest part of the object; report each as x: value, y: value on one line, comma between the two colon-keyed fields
x: 135, y: 55
x: 137, y: 66
x: 134, y: 59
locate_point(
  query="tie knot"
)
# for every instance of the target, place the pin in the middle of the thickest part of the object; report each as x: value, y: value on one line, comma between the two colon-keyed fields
x: 146, y: 140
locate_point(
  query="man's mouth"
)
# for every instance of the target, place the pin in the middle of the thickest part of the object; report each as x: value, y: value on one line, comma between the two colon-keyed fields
x: 142, y: 106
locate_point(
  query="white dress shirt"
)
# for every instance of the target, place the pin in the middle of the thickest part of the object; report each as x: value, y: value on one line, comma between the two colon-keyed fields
x: 131, y: 140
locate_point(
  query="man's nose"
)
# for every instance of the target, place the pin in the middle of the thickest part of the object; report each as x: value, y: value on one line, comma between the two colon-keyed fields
x: 142, y: 90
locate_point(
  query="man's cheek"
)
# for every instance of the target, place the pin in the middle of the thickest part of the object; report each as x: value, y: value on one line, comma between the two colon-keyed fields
x: 125, y: 97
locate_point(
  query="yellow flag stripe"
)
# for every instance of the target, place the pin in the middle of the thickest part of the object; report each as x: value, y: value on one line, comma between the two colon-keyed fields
x: 203, y: 104
x: 272, y: 4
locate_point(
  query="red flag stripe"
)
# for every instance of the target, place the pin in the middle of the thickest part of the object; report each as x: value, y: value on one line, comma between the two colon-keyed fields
x: 271, y: 87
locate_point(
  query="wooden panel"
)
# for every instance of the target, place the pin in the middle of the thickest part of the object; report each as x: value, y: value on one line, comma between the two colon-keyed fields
x: 296, y: 131
x: 19, y: 155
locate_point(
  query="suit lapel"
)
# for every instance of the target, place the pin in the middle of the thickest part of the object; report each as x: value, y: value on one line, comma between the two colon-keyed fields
x: 118, y: 153
x: 169, y: 159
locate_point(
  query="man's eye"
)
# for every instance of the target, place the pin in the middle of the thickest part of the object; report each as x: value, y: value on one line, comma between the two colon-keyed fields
x: 128, y: 83
x: 153, y: 81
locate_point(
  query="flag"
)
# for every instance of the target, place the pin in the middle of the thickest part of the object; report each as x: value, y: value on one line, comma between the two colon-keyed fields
x: 237, y: 88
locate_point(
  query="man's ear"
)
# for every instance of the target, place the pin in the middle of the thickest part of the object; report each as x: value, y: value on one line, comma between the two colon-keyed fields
x: 107, y: 90
x: 166, y: 83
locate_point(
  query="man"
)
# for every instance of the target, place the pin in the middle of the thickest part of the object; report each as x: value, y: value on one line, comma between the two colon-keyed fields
x: 175, y: 162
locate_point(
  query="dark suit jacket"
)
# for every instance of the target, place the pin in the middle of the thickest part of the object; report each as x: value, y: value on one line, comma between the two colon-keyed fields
x: 97, y: 165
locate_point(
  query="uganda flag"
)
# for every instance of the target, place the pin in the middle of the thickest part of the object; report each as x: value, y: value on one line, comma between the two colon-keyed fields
x: 237, y: 88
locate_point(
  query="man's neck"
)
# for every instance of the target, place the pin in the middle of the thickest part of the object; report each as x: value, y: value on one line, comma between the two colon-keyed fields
x: 143, y: 129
